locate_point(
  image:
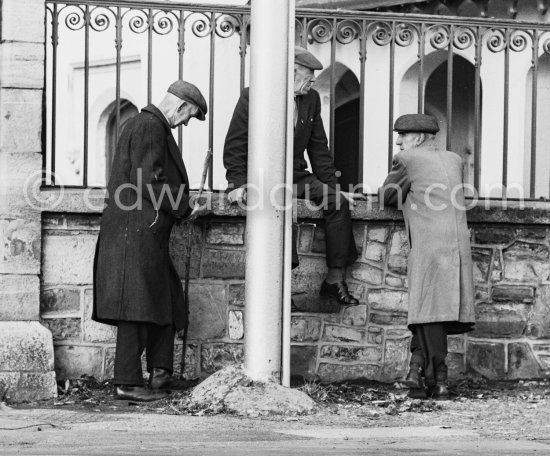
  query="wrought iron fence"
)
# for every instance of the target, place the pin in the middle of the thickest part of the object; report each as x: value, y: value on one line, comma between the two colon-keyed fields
x: 487, y: 81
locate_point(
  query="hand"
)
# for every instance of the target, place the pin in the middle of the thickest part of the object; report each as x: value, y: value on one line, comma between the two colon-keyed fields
x: 354, y: 197
x: 237, y: 196
x: 200, y: 208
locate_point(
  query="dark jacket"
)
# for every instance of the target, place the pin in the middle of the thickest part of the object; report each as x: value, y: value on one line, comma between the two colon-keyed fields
x: 134, y: 278
x: 309, y: 134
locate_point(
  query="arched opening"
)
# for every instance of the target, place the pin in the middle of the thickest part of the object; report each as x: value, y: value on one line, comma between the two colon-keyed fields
x: 346, y: 121
x: 127, y: 111
x: 463, y: 109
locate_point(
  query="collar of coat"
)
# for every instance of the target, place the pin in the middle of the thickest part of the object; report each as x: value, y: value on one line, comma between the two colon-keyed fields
x: 157, y: 112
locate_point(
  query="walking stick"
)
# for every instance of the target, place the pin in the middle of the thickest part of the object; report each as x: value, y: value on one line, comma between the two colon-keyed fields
x: 205, y: 168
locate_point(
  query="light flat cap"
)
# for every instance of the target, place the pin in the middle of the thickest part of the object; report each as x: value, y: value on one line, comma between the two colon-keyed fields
x: 188, y: 92
x: 305, y: 58
x: 422, y: 123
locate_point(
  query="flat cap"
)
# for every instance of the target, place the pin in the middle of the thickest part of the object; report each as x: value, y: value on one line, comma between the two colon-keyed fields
x: 422, y: 123
x: 190, y: 93
x: 305, y: 58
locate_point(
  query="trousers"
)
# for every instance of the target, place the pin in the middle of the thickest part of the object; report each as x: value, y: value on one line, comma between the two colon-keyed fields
x: 134, y: 337
x: 429, y: 350
x: 341, y: 250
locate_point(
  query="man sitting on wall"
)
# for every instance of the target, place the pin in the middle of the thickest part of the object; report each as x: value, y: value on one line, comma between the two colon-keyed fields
x: 136, y: 286
x: 321, y: 187
x: 426, y: 184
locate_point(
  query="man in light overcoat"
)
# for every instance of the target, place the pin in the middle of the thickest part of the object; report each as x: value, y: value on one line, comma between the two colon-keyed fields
x: 136, y: 286
x: 426, y: 184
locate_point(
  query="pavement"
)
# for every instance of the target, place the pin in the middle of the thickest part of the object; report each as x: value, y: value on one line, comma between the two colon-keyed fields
x: 55, y: 431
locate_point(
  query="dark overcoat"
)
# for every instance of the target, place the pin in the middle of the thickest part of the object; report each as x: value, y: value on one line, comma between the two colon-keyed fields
x: 309, y: 134
x: 441, y: 286
x: 134, y: 278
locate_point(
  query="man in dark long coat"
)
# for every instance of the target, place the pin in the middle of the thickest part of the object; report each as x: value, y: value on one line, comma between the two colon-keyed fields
x: 426, y: 183
x: 321, y: 186
x: 136, y: 286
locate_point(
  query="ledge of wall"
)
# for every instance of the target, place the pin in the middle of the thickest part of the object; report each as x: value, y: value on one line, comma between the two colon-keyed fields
x: 90, y: 201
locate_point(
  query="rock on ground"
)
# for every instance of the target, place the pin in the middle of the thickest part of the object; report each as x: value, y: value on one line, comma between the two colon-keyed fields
x: 231, y: 390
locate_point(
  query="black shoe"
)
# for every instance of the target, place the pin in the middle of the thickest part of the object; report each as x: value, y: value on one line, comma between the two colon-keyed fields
x: 418, y: 393
x: 338, y: 291
x: 414, y: 377
x: 440, y: 391
x: 161, y: 379
x: 138, y: 393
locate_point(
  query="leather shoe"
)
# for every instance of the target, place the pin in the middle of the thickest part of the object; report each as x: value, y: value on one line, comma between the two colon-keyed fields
x: 418, y: 393
x: 138, y: 393
x: 414, y: 377
x: 440, y: 391
x: 338, y: 291
x: 161, y: 379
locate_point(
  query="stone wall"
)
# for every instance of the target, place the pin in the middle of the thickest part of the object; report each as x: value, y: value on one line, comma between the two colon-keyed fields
x: 512, y: 271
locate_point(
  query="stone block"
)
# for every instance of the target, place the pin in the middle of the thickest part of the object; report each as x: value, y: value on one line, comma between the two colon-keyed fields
x: 192, y: 368
x: 334, y: 373
x: 390, y: 319
x: 27, y: 386
x: 397, y: 333
x: 526, y: 262
x: 367, y: 273
x: 377, y: 233
x: 309, y: 275
x: 486, y: 359
x: 531, y: 233
x: 225, y: 233
x: 68, y: 259
x: 496, y: 272
x: 20, y: 246
x: 359, y: 236
x: 63, y: 328
x: 303, y: 361
x: 217, y: 356
x: 19, y: 297
x: 481, y: 263
x: 343, y: 334
x: 73, y: 361
x: 21, y: 120
x: 25, y: 346
x: 236, y: 325
x: 207, y: 310
x: 375, y: 252
x: 538, y: 326
x: 511, y: 293
x: 31, y: 29
x: 455, y: 344
x: 305, y: 237
x: 109, y: 363
x: 482, y: 293
x: 236, y: 294
x: 369, y: 355
x: 388, y: 300
x: 82, y: 222
x: 355, y: 315
x: 500, y: 320
x: 313, y: 303
x: 22, y: 65
x: 223, y: 264
x: 542, y: 352
x: 396, y: 282
x: 522, y: 362
x: 94, y: 331
x: 60, y: 299
x: 455, y: 365
x: 492, y: 235
x: 318, y: 244
x: 396, y: 355
x: 305, y: 329
x: 375, y: 335
x: 178, y: 249
x: 399, y: 251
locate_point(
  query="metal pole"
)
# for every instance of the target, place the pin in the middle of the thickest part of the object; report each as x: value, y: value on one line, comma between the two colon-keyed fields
x: 289, y: 170
x: 265, y: 198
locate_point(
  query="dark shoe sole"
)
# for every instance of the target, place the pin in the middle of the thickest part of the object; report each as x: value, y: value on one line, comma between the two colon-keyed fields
x: 130, y: 397
x: 417, y: 393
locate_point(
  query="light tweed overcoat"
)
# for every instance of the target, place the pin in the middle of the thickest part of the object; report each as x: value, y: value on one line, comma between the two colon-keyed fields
x: 440, y: 274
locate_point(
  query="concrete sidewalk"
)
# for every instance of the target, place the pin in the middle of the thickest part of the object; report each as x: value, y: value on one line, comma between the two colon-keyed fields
x: 64, y: 432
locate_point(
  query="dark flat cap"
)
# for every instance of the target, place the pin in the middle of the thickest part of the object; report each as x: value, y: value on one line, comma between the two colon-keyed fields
x: 305, y: 58
x: 421, y: 123
x: 190, y: 93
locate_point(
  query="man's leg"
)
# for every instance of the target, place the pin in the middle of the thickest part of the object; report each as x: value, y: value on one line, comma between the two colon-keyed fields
x: 131, y: 340
x: 340, y: 243
x: 414, y: 378
x: 160, y: 359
